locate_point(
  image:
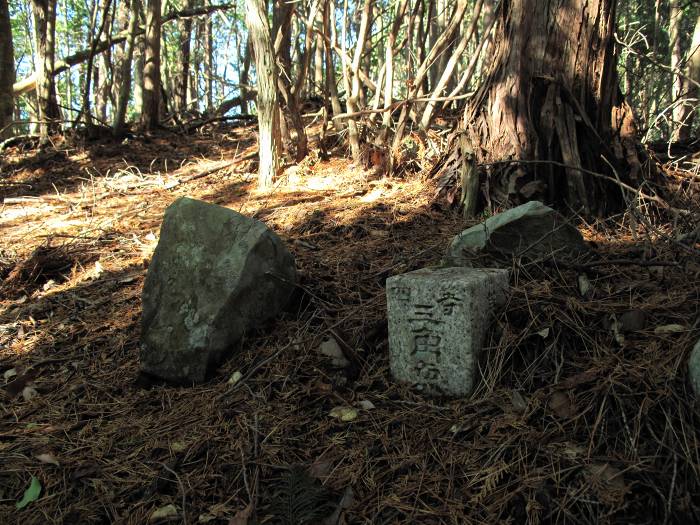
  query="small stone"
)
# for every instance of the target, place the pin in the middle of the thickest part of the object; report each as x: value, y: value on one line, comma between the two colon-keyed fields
x: 235, y: 378
x: 345, y: 414
x: 584, y: 285
x: 669, y: 329
x: 163, y: 513
x: 438, y: 319
x: 366, y: 404
x: 531, y: 230
x: 330, y: 348
x: 29, y: 393
x: 215, y: 276
x: 694, y: 369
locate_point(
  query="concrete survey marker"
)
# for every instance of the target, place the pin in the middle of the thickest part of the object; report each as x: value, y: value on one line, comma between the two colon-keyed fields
x: 438, y: 318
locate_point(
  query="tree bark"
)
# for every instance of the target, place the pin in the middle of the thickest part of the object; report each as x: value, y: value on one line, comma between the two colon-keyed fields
x: 150, y: 113
x: 7, y: 72
x: 267, y: 104
x: 45, y: 27
x: 184, y: 26
x: 331, y: 83
x: 209, y: 61
x: 552, y: 94
x: 139, y: 63
x: 298, y: 87
x: 94, y: 40
x: 353, y: 99
x: 318, y: 57
x: 389, y: 72
x: 119, y: 52
x: 674, y: 33
x: 691, y: 91
x: 124, y: 88
x: 282, y: 31
x: 245, y: 78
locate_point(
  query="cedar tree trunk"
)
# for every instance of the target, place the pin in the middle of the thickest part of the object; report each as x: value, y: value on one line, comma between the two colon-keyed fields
x: 267, y: 104
x: 552, y: 96
x: 150, y: 112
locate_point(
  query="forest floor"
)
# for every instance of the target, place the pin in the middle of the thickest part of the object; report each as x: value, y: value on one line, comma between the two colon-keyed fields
x: 583, y: 413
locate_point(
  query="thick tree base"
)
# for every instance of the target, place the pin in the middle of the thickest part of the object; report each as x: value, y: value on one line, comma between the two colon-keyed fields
x: 563, y: 159
x: 549, y: 121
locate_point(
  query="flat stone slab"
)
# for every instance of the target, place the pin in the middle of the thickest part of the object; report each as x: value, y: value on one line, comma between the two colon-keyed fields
x: 215, y: 275
x: 531, y: 230
x: 438, y: 319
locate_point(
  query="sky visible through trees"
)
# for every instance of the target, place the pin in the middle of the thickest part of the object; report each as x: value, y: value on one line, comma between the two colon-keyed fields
x: 649, y: 34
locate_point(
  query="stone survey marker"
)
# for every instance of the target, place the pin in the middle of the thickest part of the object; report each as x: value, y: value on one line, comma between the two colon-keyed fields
x: 438, y: 319
x: 215, y: 275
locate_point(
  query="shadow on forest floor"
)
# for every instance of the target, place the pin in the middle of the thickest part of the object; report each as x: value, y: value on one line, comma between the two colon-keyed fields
x: 570, y: 422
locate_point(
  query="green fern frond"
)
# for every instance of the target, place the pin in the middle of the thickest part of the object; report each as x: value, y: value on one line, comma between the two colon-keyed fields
x: 301, y: 499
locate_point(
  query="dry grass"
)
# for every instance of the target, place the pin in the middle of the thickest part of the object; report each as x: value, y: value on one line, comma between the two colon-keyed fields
x: 570, y: 424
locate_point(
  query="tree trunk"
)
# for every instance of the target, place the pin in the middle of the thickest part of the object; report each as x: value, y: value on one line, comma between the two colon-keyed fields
x: 691, y: 91
x: 29, y: 83
x: 139, y: 63
x: 7, y: 72
x: 449, y: 68
x: 124, y: 88
x: 674, y: 33
x: 94, y: 40
x: 104, y: 88
x: 184, y: 27
x: 245, y: 78
x: 422, y: 73
x: 554, y: 99
x: 282, y: 31
x: 150, y: 113
x: 331, y: 83
x: 298, y: 87
x: 318, y: 57
x: 389, y: 73
x: 267, y: 105
x: 209, y: 66
x: 45, y: 26
x: 353, y: 98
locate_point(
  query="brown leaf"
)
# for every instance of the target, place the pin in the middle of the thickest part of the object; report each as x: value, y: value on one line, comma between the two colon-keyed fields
x: 611, y: 476
x: 579, y: 379
x: 242, y: 516
x: 320, y: 468
x: 561, y: 405
x: 85, y: 471
x: 48, y: 458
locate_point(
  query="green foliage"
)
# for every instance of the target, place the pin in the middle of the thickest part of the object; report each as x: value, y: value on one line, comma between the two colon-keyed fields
x: 31, y: 494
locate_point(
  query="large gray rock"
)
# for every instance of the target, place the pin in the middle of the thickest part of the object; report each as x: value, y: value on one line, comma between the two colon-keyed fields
x: 694, y: 369
x: 438, y: 319
x: 531, y: 230
x: 214, y: 276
